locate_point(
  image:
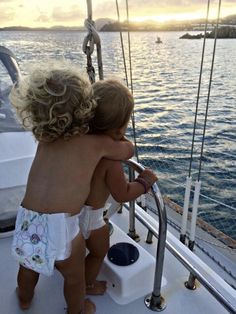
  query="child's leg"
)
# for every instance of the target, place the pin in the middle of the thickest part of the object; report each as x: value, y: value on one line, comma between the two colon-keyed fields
x: 98, y: 245
x: 72, y: 269
x: 27, y: 280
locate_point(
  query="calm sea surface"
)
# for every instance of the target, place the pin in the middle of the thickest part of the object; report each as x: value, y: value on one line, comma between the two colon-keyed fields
x: 165, y: 81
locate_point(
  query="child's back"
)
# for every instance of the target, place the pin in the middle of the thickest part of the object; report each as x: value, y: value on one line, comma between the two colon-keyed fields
x: 56, y: 102
x: 59, y: 179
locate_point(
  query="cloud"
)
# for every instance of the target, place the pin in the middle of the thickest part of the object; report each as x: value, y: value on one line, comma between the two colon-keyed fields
x: 140, y: 7
x: 43, y: 18
x: 72, y: 14
x: 6, y: 15
x: 169, y: 3
x: 107, y: 7
x: 154, y: 7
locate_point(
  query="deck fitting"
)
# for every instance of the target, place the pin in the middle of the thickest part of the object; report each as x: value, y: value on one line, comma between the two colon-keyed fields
x: 155, y: 303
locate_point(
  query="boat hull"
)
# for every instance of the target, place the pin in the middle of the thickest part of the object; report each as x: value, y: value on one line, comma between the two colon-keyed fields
x: 16, y: 156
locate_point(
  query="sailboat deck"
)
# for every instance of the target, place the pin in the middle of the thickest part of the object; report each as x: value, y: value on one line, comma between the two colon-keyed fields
x: 49, y: 297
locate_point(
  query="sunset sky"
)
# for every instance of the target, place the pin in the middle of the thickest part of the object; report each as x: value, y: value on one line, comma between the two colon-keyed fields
x: 47, y: 13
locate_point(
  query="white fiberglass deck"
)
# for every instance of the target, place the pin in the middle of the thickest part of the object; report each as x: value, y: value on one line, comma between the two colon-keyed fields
x: 49, y: 297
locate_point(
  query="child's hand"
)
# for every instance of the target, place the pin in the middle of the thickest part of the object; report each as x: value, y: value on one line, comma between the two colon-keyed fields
x: 149, y: 176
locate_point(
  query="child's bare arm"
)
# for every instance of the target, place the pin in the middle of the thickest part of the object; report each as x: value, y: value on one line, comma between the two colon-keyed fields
x: 121, y: 189
x: 117, y: 150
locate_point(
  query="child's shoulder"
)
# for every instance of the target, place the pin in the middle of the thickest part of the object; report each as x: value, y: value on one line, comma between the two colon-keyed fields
x: 98, y: 138
x: 110, y: 165
x: 91, y: 141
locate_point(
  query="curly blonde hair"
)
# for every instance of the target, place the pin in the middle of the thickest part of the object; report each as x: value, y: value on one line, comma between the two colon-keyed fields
x: 54, y: 100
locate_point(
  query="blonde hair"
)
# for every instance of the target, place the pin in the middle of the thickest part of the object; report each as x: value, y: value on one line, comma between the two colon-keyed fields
x: 114, y: 105
x: 54, y: 100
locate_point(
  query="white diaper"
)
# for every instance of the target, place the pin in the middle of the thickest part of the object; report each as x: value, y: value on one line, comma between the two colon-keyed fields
x: 41, y: 239
x: 90, y: 219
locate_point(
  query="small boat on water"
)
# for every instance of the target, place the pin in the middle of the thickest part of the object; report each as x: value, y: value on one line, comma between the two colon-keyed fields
x: 158, y: 40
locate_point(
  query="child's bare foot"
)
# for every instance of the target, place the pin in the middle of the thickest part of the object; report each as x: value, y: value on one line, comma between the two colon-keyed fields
x: 23, y: 305
x: 98, y: 288
x: 89, y: 307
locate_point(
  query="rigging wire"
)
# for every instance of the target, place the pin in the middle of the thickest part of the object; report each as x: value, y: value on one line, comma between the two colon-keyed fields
x: 189, y: 179
x: 129, y: 48
x: 199, y: 88
x: 131, y: 82
x: 122, y: 44
x: 209, y: 90
x: 190, y: 284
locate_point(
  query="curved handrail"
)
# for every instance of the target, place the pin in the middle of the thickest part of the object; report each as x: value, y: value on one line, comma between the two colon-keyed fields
x: 9, y: 60
x: 155, y: 300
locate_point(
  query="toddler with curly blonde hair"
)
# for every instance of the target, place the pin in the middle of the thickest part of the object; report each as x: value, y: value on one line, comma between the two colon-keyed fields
x: 56, y: 102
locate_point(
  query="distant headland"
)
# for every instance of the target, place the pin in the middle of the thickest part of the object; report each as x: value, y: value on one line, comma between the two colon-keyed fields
x: 223, y: 32
x: 54, y: 28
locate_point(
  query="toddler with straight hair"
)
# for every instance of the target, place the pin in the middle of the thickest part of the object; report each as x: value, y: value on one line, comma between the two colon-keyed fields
x: 114, y: 107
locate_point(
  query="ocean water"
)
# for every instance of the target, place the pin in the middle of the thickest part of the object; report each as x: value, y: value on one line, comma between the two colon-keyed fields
x: 165, y: 82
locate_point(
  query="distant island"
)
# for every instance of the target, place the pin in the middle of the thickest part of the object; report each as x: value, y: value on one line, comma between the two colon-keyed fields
x: 223, y: 32
x: 194, y: 25
x: 109, y: 25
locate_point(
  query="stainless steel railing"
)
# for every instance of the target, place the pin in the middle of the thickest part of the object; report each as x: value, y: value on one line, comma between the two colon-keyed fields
x: 154, y: 301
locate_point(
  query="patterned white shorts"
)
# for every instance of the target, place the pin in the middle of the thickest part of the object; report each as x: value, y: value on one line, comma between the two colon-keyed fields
x: 41, y: 239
